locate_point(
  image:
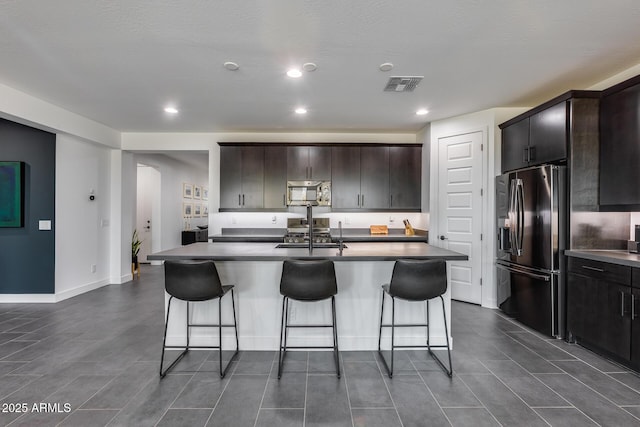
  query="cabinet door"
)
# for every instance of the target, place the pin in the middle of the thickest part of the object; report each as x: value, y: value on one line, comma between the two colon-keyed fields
x: 576, y: 309
x: 619, y: 148
x: 617, y: 301
x: 297, y: 163
x: 345, y: 177
x: 230, y: 177
x: 374, y: 177
x: 252, y: 177
x: 405, y: 177
x: 275, y: 177
x: 548, y: 135
x: 320, y: 163
x: 515, y: 142
x: 635, y: 328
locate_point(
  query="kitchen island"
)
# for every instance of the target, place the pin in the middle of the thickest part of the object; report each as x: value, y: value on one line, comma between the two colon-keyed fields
x: 255, y: 269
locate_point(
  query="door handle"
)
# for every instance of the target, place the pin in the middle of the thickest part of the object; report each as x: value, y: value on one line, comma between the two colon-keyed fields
x: 444, y: 238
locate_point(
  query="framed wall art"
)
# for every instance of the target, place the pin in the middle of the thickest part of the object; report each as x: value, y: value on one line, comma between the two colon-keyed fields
x: 197, y: 191
x: 205, y: 193
x: 187, y: 190
x: 197, y: 210
x: 12, y: 194
x: 187, y: 209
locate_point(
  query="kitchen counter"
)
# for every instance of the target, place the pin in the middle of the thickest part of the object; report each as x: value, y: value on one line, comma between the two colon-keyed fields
x: 255, y: 270
x: 389, y: 251
x: 613, y: 256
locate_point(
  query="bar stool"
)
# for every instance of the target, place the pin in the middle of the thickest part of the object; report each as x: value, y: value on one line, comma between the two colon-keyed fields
x: 194, y: 281
x: 307, y: 280
x: 415, y: 280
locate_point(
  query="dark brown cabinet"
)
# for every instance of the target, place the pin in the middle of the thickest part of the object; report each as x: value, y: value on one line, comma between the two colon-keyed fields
x: 275, y: 177
x: 360, y: 177
x: 600, y: 307
x: 405, y: 177
x: 535, y: 140
x: 241, y: 177
x: 620, y: 147
x: 308, y: 163
x: 193, y: 236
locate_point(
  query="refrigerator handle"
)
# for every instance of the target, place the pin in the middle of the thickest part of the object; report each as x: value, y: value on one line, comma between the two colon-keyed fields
x: 512, y: 217
x: 520, y: 215
x: 536, y: 276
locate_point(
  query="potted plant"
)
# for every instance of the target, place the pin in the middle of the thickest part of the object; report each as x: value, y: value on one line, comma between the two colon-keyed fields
x: 135, y: 249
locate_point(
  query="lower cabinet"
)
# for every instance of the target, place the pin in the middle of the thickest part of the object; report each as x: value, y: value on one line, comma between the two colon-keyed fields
x: 193, y: 236
x: 601, y: 310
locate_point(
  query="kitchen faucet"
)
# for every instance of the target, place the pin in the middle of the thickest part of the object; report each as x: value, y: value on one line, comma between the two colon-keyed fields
x: 310, y: 224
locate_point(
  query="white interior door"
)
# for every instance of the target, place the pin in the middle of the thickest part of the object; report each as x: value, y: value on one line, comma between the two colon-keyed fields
x: 460, y: 211
x: 147, y: 191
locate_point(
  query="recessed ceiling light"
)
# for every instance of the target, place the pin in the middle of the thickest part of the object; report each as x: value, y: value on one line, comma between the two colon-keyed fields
x: 422, y: 112
x: 309, y: 66
x: 294, y: 73
x: 387, y: 66
x: 171, y: 110
x: 231, y: 66
x: 301, y: 110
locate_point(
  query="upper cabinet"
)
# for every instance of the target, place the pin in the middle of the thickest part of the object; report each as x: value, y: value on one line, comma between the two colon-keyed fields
x: 360, y: 177
x: 241, y: 177
x: 541, y: 135
x: 308, y: 163
x: 364, y: 177
x: 620, y: 147
x: 535, y: 140
x: 405, y: 177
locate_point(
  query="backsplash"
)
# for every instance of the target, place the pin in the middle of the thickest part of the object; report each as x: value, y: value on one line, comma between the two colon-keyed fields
x: 349, y: 219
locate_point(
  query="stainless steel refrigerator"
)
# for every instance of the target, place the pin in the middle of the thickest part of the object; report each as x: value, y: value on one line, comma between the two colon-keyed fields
x: 532, y: 226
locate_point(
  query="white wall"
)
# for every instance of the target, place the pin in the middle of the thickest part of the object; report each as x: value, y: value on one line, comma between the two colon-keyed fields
x: 173, y: 173
x: 82, y: 226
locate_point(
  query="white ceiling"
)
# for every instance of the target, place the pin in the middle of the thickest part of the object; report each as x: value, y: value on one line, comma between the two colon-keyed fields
x: 120, y: 62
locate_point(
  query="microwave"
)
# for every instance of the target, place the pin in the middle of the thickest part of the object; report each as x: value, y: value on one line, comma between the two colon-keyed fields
x: 303, y: 193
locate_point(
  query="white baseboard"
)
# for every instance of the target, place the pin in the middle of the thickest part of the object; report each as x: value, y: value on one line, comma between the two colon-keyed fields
x: 51, y: 298
x: 61, y: 296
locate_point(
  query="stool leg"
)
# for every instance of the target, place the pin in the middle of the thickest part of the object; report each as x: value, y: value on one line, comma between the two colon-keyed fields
x: 223, y: 372
x: 164, y: 342
x: 335, y: 336
x: 393, y: 330
x: 282, y: 336
x: 380, y: 332
x: 449, y: 370
x: 220, y: 335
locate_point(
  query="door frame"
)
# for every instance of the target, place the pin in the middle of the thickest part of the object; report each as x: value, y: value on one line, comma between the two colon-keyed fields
x: 486, y: 123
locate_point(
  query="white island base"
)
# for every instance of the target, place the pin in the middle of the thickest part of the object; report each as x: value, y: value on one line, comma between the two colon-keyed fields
x: 259, y: 307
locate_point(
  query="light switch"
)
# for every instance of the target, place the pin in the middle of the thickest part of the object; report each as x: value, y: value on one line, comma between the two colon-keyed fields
x: 44, y: 224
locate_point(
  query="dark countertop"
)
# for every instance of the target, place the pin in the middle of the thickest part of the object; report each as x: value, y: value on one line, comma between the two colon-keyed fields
x: 389, y: 251
x: 613, y: 256
x: 349, y: 235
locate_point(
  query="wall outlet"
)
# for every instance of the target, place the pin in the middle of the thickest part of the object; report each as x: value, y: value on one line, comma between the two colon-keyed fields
x: 347, y: 221
x: 274, y: 219
x: 93, y: 268
x: 391, y: 219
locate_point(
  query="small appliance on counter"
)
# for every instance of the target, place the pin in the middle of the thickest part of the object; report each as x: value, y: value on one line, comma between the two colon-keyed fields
x: 632, y: 245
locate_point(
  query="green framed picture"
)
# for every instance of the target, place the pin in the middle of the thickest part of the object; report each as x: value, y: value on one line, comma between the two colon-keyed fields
x: 11, y: 194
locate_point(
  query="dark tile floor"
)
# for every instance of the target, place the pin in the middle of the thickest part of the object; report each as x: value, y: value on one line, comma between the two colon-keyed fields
x: 98, y: 354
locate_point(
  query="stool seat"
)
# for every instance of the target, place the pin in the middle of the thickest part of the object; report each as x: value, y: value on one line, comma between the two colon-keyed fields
x: 415, y: 280
x: 308, y: 281
x: 196, y: 281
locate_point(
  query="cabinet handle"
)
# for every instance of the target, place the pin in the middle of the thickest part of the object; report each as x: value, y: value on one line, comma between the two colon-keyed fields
x: 239, y: 202
x: 363, y: 200
x: 525, y: 155
x: 310, y: 171
x: 391, y: 201
x: 599, y: 270
x: 622, y: 304
x: 358, y: 200
x: 633, y: 307
x: 284, y: 200
x: 243, y: 200
x: 532, y: 153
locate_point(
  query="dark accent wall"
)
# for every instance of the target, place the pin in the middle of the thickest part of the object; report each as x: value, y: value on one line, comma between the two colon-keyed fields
x: 27, y: 254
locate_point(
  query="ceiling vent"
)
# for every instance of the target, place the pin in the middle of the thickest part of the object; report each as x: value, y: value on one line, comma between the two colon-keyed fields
x: 402, y: 84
